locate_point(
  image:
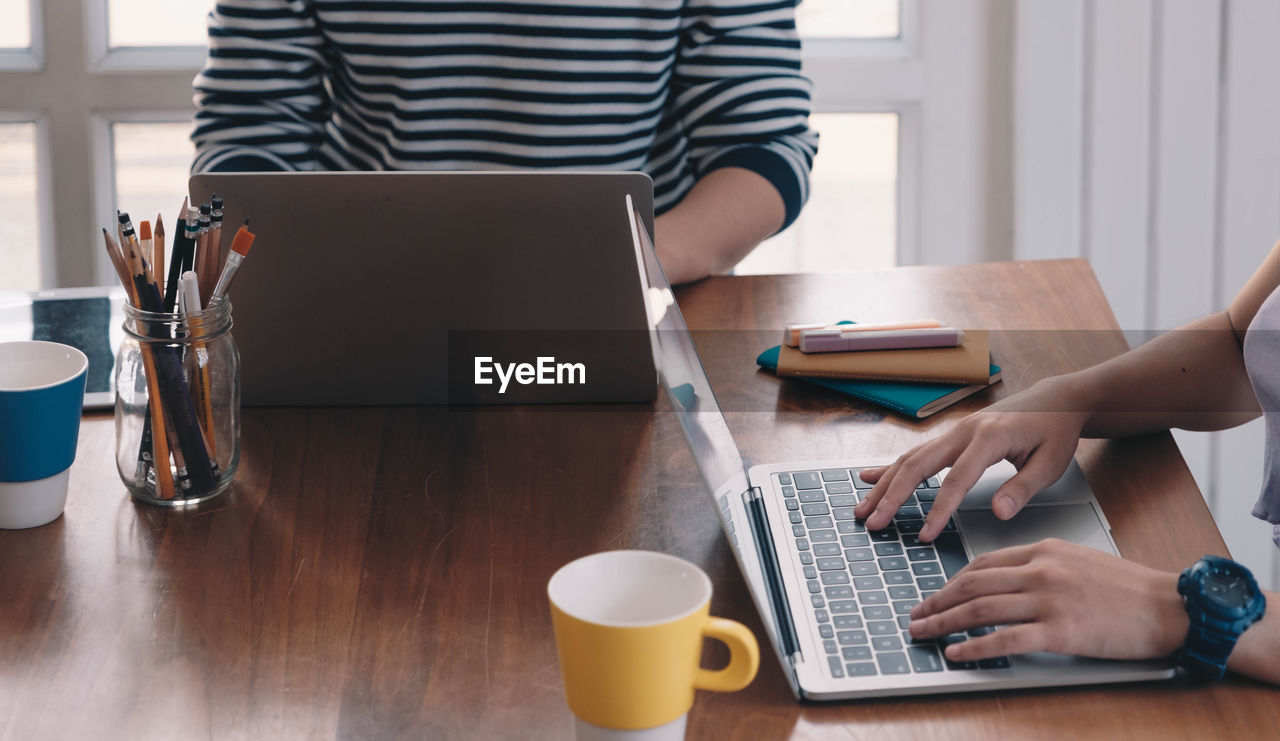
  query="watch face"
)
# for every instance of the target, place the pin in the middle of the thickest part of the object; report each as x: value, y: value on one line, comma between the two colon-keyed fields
x: 1227, y: 589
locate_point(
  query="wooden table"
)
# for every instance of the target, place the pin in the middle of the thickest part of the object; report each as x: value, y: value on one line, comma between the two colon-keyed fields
x: 381, y: 573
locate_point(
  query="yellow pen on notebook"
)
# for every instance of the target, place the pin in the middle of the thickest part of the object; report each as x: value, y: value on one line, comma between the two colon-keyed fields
x: 791, y: 335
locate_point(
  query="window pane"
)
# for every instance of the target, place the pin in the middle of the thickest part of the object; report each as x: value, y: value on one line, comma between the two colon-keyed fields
x: 850, y: 221
x: 151, y: 164
x: 15, y: 24
x: 156, y: 22
x: 860, y: 19
x: 19, y: 235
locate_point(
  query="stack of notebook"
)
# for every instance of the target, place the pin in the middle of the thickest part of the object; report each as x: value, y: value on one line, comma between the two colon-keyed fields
x: 917, y: 382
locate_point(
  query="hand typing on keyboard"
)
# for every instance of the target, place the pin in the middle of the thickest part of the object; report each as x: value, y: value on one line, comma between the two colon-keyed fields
x: 1055, y: 596
x: 1033, y: 429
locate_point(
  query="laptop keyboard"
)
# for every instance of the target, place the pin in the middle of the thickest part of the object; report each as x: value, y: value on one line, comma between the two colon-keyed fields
x: 862, y: 584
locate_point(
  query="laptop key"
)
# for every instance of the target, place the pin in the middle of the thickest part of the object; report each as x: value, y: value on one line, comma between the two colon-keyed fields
x: 812, y: 496
x: 802, y: 544
x: 887, y: 535
x: 842, y: 487
x: 893, y: 663
x: 926, y: 595
x: 835, y: 474
x: 817, y: 600
x: 882, y: 628
x: 920, y: 554
x: 808, y: 480
x: 823, y: 536
x: 844, y: 592
x: 863, y: 568
x: 909, y: 526
x: 931, y: 582
x: 857, y: 540
x: 847, y: 622
x: 903, y: 592
x: 842, y: 500
x: 798, y: 530
x: 822, y: 616
x: 815, y: 508
x: 868, y: 582
x: 904, y: 607
x: 909, y: 513
x: 925, y: 507
x: 843, y: 513
x: 784, y: 478
x: 843, y: 607
x: 858, y: 554
x: 998, y: 662
x: 851, y: 637
x: 888, y: 549
x: 806, y: 558
x: 897, y: 577
x: 861, y: 669
x: 893, y: 563
x: 857, y: 480
x: 830, y: 646
x: 833, y: 563
x: 877, y: 612
x: 981, y: 630
x: 826, y: 631
x: 856, y: 653
x: 947, y: 640
x: 886, y: 643
x: 834, y: 577
x: 951, y: 553
x: 926, y: 495
x: 815, y: 523
x: 793, y: 505
x: 788, y: 491
x: 826, y: 549
x: 811, y: 573
x: 873, y: 598
x: 904, y: 621
x: 912, y: 540
x: 926, y: 568
x: 814, y: 586
x: 850, y: 526
x: 837, y: 669
x: 924, y: 658
x: 795, y: 517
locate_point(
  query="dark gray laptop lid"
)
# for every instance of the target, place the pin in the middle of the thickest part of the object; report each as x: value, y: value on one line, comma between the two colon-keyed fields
x: 384, y: 288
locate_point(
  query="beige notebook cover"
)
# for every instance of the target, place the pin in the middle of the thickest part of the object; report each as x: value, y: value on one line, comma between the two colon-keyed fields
x: 969, y: 363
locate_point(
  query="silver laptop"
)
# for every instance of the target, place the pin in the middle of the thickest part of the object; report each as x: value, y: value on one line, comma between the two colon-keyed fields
x: 424, y: 287
x: 833, y: 596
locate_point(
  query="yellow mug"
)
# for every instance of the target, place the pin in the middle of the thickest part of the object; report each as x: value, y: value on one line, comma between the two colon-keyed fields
x: 629, y: 627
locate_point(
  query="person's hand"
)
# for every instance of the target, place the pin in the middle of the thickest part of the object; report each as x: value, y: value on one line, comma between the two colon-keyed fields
x: 1060, y: 597
x: 1037, y: 430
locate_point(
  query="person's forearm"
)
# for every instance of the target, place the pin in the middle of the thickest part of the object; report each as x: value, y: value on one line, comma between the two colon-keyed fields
x: 726, y: 214
x: 1257, y: 654
x: 1192, y: 378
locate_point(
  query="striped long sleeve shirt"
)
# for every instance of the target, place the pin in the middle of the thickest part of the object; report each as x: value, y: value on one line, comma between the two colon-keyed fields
x: 674, y: 88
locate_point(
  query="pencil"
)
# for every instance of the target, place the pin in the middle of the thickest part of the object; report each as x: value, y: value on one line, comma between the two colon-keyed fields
x: 175, y: 260
x: 159, y: 437
x: 159, y: 250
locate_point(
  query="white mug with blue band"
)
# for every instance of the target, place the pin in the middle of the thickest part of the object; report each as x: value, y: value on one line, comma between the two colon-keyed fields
x: 41, y: 393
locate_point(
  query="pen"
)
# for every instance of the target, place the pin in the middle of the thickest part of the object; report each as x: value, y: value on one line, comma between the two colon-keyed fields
x: 201, y: 393
x: 791, y: 334
x: 834, y: 340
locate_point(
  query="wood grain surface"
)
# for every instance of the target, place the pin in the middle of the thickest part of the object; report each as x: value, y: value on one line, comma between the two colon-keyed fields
x: 381, y: 572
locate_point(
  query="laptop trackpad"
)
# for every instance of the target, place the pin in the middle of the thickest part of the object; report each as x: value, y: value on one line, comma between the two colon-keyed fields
x: 1076, y: 522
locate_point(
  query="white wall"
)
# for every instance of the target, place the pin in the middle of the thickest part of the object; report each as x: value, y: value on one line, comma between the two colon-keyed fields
x: 1147, y: 139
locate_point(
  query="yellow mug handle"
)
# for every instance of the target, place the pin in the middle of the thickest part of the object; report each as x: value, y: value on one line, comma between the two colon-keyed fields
x: 744, y: 657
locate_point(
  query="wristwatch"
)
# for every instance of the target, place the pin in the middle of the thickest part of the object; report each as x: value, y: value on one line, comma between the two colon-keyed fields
x: 1222, y: 599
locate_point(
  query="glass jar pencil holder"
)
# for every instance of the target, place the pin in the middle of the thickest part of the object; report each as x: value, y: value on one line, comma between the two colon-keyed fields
x: 177, y: 405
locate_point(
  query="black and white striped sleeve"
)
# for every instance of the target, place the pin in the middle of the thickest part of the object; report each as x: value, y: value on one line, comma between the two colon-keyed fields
x: 740, y: 94
x: 261, y: 98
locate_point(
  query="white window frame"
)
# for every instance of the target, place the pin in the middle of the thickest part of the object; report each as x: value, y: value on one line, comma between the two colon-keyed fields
x: 124, y: 59
x: 31, y: 58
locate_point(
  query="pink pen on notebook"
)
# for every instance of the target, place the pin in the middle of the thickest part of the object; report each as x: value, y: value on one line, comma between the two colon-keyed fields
x: 791, y: 335
x: 837, y: 340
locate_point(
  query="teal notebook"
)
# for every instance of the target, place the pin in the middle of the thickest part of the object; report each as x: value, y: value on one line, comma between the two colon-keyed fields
x: 918, y: 400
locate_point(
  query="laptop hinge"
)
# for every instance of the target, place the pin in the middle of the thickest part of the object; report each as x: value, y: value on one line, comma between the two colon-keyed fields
x: 754, y: 503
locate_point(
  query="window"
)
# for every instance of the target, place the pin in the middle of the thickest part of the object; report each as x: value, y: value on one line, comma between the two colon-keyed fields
x: 848, y: 19
x: 15, y: 24
x: 151, y: 162
x: 152, y: 23
x: 20, y: 252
